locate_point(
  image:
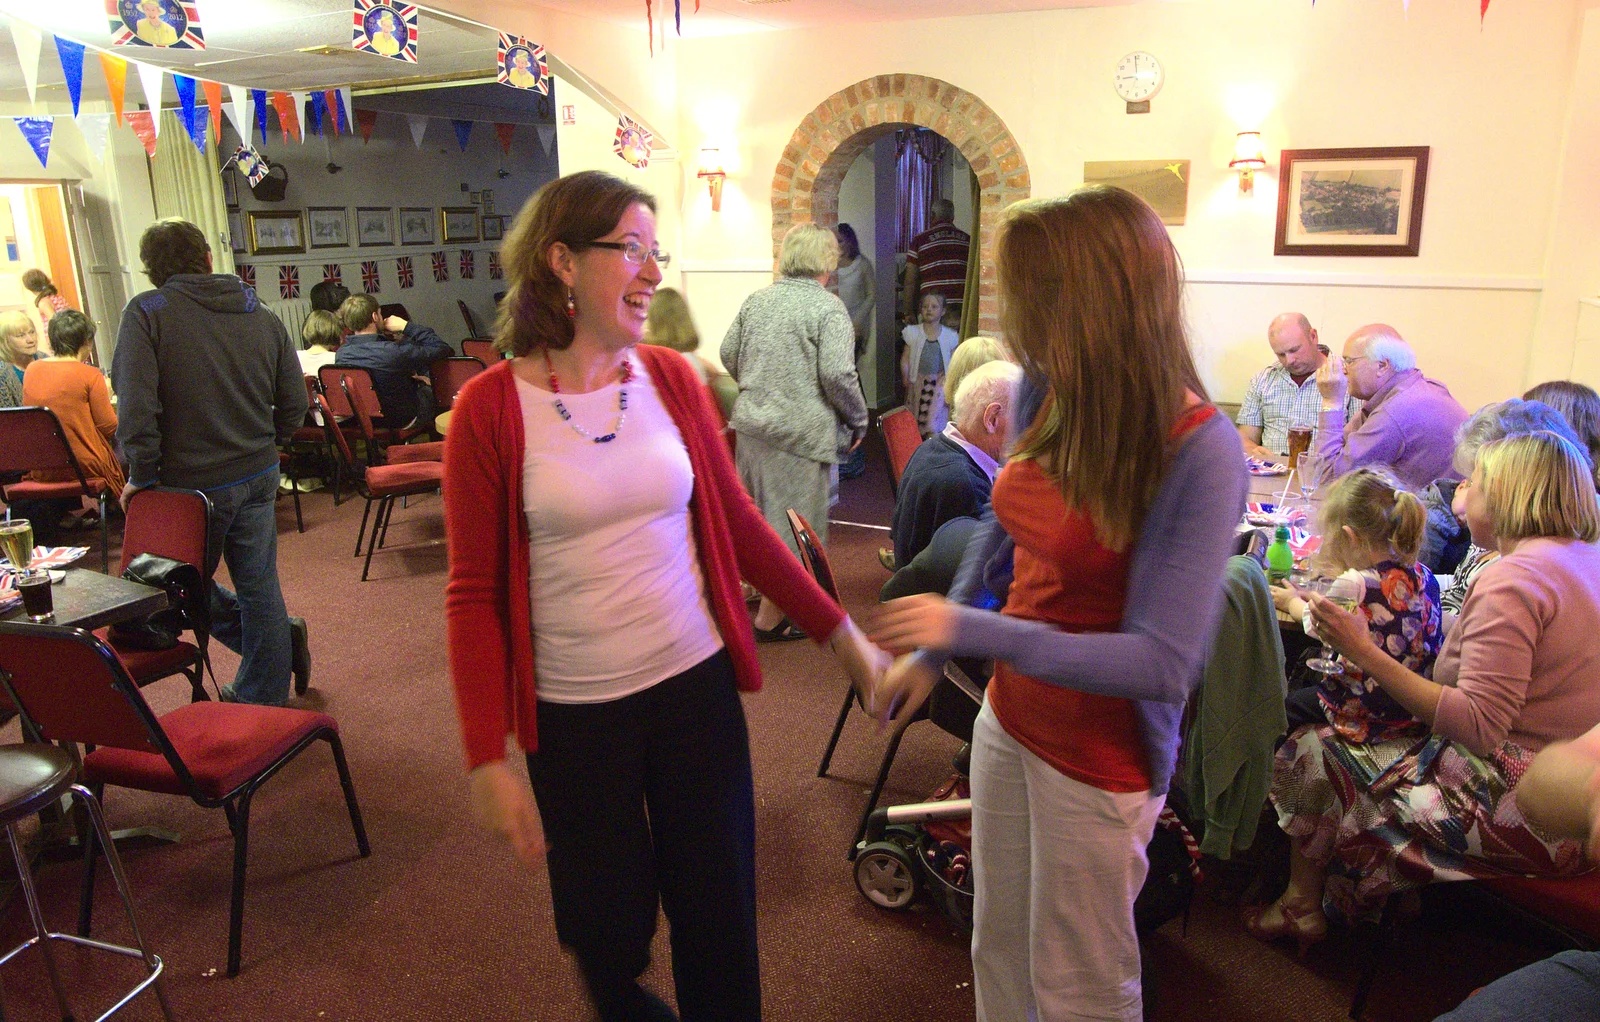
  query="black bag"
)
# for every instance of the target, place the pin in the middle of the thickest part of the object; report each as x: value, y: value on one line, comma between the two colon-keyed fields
x: 272, y: 187
x: 1170, y: 884
x: 187, y: 605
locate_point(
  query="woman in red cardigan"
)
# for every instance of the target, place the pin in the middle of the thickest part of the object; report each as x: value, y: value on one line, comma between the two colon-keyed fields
x: 597, y: 534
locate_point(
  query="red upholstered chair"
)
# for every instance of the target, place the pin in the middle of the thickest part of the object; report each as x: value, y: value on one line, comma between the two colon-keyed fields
x: 32, y: 438
x: 332, y: 379
x: 467, y: 317
x: 365, y: 403
x: 380, y: 483
x: 286, y: 467
x: 72, y: 688
x: 168, y: 523
x: 481, y: 350
x: 901, y: 437
x: 449, y: 375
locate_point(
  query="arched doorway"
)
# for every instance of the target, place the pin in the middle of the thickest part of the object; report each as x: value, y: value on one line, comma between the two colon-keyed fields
x: 805, y: 187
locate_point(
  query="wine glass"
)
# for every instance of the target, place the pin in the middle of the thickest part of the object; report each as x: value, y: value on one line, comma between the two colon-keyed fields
x: 1345, y: 592
x: 1309, y: 476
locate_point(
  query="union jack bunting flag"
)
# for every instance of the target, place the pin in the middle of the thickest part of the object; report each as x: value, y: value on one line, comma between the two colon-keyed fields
x: 385, y: 28
x: 369, y: 278
x: 466, y: 265
x: 331, y: 272
x: 247, y: 274
x: 402, y: 269
x: 288, y: 282
x: 522, y: 65
x: 441, y: 267
x: 177, y: 27
x: 495, y: 272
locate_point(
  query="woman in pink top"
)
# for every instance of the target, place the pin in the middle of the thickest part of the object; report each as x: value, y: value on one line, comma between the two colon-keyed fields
x: 1516, y: 673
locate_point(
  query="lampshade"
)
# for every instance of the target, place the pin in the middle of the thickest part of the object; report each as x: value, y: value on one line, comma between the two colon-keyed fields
x: 1247, y: 152
x: 710, y: 162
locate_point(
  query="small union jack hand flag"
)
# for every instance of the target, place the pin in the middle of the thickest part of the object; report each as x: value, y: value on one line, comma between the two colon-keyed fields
x: 402, y: 269
x: 369, y: 277
x: 495, y: 272
x: 247, y: 275
x: 466, y: 265
x: 441, y: 267
x: 288, y: 282
x: 331, y: 272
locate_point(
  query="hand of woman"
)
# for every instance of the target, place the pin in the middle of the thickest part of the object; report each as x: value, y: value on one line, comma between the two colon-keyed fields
x: 503, y: 804
x: 1287, y: 601
x: 915, y: 622
x: 904, y: 688
x: 1344, y: 630
x: 864, y: 662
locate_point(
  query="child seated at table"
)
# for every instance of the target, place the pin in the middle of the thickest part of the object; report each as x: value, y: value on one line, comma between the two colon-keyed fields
x: 1372, y: 531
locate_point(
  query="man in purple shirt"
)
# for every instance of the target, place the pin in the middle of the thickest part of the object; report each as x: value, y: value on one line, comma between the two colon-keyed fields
x: 1407, y: 422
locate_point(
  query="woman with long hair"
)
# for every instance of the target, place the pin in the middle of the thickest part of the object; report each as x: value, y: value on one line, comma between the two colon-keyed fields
x: 47, y: 301
x: 1117, y: 512
x: 597, y: 533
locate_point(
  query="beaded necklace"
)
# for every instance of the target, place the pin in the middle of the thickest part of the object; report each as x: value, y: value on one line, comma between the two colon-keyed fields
x: 622, y: 403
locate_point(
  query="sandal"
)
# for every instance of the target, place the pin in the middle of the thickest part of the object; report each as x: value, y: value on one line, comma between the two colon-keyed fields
x: 783, y: 631
x: 1306, y: 926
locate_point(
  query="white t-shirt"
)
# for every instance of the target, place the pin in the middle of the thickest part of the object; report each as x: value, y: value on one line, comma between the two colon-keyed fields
x: 619, y: 603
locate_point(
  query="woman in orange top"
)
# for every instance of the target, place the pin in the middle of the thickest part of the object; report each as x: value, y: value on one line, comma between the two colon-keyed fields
x: 1115, y: 518
x: 78, y: 394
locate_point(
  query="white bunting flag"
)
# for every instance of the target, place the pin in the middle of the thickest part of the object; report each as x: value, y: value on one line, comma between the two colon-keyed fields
x: 547, y: 136
x: 28, y: 41
x: 419, y: 127
x: 96, y: 130
x: 300, y: 112
x: 349, y: 111
x: 238, y: 109
x: 150, y: 77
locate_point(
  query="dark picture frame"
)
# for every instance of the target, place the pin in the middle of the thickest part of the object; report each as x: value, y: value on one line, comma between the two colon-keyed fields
x: 493, y: 228
x: 418, y: 225
x: 374, y: 226
x: 1351, y: 202
x: 331, y: 223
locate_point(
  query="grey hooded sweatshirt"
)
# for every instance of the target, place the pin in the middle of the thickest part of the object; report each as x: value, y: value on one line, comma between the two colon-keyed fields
x: 207, y: 384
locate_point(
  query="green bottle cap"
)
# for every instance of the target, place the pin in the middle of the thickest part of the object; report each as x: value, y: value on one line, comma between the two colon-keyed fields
x: 1281, y: 533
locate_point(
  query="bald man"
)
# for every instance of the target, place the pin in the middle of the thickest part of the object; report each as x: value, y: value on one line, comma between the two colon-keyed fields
x: 1284, y: 395
x: 1407, y: 422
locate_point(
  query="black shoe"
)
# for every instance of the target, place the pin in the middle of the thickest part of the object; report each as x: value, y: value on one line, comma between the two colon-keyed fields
x: 300, y: 654
x: 783, y: 631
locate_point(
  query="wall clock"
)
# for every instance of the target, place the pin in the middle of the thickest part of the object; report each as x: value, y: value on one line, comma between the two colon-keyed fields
x: 1139, y: 76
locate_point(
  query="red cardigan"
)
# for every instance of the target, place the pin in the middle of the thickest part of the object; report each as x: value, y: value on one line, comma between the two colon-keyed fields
x: 487, y: 606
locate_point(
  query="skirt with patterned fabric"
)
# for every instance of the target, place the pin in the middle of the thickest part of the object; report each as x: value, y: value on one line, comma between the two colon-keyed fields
x: 927, y: 397
x: 1391, y: 816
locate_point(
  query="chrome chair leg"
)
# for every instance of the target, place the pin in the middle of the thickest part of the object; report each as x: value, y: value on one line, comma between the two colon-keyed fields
x: 41, y: 931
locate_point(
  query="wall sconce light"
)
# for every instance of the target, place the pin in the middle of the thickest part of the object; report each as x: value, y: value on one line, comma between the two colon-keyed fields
x: 711, y: 170
x: 1248, y: 158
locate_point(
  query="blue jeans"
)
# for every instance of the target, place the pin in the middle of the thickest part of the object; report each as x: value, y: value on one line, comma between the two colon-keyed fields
x: 253, y: 621
x: 1566, y: 986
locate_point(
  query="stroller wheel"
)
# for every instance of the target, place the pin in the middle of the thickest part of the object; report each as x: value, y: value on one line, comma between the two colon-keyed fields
x: 886, y: 875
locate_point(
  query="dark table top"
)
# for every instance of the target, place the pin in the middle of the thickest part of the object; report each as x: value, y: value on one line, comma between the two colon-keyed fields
x: 88, y: 599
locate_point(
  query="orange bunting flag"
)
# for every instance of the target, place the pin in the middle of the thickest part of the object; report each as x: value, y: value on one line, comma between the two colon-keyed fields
x: 116, y: 70
x: 213, y: 91
x: 334, y: 116
x: 1483, y: 11
x: 144, y: 125
x: 288, y: 120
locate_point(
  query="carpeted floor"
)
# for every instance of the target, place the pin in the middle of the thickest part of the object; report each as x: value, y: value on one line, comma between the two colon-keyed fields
x: 440, y: 923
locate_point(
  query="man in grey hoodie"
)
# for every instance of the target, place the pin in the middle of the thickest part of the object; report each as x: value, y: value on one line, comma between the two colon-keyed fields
x: 208, y: 384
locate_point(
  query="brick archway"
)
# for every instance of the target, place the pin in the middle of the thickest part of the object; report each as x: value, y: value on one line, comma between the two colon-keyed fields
x: 805, y: 187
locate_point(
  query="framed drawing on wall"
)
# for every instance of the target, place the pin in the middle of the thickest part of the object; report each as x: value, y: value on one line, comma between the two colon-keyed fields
x: 276, y: 232
x: 458, y: 224
x: 493, y: 228
x: 329, y: 226
x: 1351, y: 202
x: 374, y: 226
x: 236, y: 235
x: 416, y: 225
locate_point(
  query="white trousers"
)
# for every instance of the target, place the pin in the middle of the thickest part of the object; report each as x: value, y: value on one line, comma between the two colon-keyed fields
x: 1057, y: 865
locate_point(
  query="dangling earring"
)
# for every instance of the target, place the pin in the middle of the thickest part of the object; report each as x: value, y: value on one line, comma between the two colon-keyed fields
x: 572, y: 304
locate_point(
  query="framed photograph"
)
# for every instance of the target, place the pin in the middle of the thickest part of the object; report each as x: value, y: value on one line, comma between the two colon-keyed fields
x: 494, y: 228
x: 329, y: 226
x: 236, y: 234
x: 457, y: 224
x: 230, y: 187
x: 1351, y: 202
x: 276, y: 232
x: 374, y: 226
x: 416, y: 225
x: 1164, y: 184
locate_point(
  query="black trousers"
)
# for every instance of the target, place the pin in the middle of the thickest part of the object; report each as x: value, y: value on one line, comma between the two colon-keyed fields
x: 648, y: 800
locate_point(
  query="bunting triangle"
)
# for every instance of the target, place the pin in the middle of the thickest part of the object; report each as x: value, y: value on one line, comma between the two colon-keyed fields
x: 198, y: 134
x: 239, y: 111
x: 1483, y: 12
x: 150, y: 76
x: 116, y: 70
x: 96, y: 130
x: 365, y: 120
x: 37, y: 130
x: 330, y: 104
x: 463, y: 132
x: 288, y: 121
x: 344, y: 109
x: 185, y: 86
x: 28, y: 42
x: 144, y: 125
x: 299, y: 115
x: 258, y: 99
x: 213, y: 91
x: 71, y: 55
x: 419, y: 127
x: 505, y: 131
x: 547, y: 137
x: 319, y: 111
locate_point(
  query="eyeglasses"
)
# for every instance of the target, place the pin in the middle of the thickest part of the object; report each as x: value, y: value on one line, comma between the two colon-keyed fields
x: 1348, y: 361
x: 635, y: 253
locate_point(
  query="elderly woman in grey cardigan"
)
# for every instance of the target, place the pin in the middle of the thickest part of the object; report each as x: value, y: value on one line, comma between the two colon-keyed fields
x: 791, y: 349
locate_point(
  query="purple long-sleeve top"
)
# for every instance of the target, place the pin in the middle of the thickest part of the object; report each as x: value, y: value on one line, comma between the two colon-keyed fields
x: 1173, y: 602
x: 1408, y: 426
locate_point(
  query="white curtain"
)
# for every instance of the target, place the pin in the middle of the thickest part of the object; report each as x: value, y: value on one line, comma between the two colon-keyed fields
x: 187, y: 184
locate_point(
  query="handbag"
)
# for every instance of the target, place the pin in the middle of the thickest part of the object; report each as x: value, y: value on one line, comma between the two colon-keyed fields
x: 188, y: 607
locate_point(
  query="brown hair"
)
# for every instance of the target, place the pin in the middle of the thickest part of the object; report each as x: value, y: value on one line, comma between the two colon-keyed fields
x: 1091, y: 302
x: 323, y: 327
x: 1538, y: 484
x: 1580, y: 406
x: 38, y: 282
x: 172, y: 246
x: 69, y: 331
x: 356, y: 312
x: 669, y: 323
x: 575, y: 210
x: 1383, y: 514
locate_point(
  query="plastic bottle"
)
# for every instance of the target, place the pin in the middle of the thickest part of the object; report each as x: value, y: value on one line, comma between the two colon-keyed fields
x: 1280, y: 559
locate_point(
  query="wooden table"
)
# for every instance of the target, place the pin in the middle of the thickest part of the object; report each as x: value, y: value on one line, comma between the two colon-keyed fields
x: 441, y: 423
x: 88, y: 599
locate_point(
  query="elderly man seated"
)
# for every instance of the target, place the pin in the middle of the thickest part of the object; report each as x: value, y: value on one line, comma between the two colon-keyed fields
x: 952, y: 473
x: 1284, y: 395
x: 1407, y: 422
